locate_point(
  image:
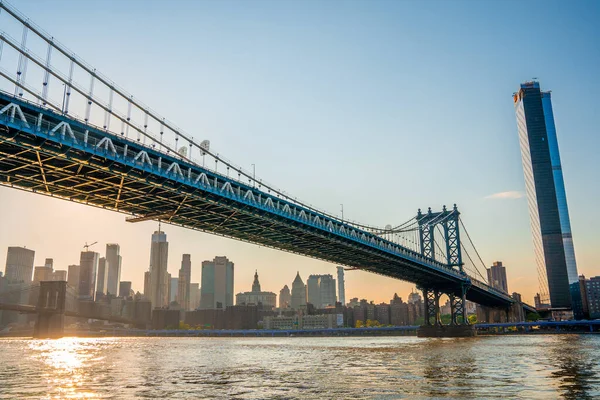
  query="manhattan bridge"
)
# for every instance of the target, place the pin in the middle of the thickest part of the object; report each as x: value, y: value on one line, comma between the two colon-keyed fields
x: 69, y: 132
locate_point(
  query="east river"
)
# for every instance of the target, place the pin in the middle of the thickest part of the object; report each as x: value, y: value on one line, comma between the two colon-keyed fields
x: 524, y: 367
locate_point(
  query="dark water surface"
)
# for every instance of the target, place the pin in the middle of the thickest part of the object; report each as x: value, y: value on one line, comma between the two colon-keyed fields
x: 525, y: 367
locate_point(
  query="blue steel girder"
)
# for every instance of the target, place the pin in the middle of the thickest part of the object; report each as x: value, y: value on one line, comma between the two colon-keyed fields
x: 114, y: 173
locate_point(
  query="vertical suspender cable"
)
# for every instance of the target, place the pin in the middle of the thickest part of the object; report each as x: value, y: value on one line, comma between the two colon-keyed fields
x: 22, y: 67
x: 46, y: 82
x: 128, y: 117
x: 108, y: 112
x: 68, y: 89
x: 88, y: 109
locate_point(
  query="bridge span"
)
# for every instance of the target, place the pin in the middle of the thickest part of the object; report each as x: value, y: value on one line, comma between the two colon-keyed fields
x: 124, y: 161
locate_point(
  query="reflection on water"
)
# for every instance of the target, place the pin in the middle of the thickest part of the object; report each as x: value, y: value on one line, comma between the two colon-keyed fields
x: 255, y: 368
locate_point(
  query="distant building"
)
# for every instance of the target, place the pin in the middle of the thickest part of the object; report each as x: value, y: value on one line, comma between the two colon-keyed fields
x: 497, y: 276
x: 298, y: 293
x: 326, y: 321
x: 158, y: 285
x: 195, y: 296
x: 414, y: 298
x: 41, y: 274
x: 321, y: 290
x: 341, y: 285
x: 125, y: 289
x: 217, y: 283
x: 73, y: 277
x: 382, y: 313
x: 268, y: 300
x: 88, y: 266
x: 174, y: 282
x: 185, y: 279
x: 59, y: 275
x: 19, y: 265
x: 285, y: 298
x: 592, y: 296
x: 113, y: 268
x: 102, y: 276
x: 353, y: 302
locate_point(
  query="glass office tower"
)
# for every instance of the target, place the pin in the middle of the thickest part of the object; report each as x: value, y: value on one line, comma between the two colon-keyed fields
x: 550, y: 226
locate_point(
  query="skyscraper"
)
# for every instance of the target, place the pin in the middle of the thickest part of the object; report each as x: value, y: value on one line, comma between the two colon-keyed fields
x: 73, y: 277
x: 550, y: 225
x: 497, y: 276
x: 158, y: 278
x: 285, y: 297
x: 19, y: 264
x: 217, y: 283
x: 88, y: 266
x: 124, y: 289
x: 298, y: 292
x: 185, y: 277
x: 102, y: 276
x: 113, y: 276
x: 173, y: 292
x: 321, y: 290
x: 341, y: 286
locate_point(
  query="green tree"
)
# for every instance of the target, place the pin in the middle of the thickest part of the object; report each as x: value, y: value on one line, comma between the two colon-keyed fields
x: 532, y: 317
x: 472, y: 319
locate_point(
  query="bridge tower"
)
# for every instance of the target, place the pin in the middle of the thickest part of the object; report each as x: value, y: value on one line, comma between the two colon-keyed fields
x: 459, y: 323
x: 50, y: 308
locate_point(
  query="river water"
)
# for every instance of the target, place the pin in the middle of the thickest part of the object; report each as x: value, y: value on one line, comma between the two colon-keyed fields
x: 527, y: 367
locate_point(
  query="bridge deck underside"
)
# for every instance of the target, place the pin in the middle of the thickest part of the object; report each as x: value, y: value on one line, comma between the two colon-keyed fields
x: 32, y: 162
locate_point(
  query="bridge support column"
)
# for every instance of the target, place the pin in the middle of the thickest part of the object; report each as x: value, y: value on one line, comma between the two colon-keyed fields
x: 459, y: 324
x: 50, y: 321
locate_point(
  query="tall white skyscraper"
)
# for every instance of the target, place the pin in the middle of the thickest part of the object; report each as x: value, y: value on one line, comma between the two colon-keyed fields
x: 184, y: 281
x: 102, y: 276
x: 321, y: 290
x: 341, y: 286
x: 159, y: 277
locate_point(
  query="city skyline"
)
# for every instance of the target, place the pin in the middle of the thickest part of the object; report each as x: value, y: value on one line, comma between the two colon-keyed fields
x: 495, y: 199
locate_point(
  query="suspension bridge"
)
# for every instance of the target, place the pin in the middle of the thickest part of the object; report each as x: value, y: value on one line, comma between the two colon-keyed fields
x: 69, y: 132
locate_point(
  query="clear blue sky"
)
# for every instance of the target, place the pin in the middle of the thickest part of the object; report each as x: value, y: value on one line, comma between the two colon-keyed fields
x: 384, y: 106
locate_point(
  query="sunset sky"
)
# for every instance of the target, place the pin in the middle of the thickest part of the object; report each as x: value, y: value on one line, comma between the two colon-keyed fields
x: 384, y: 107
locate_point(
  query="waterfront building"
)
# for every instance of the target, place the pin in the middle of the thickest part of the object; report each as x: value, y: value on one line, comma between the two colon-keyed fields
x: 184, y: 281
x: 298, y: 293
x: 19, y: 264
x: 549, y: 214
x: 157, y: 289
x: 88, y: 266
x: 285, y: 298
x: 102, y: 276
x: 353, y: 302
x: 113, y: 269
x: 382, y: 313
x: 217, y: 283
x: 591, y: 296
x: 125, y: 289
x: 173, y: 292
x: 268, y: 300
x: 497, y: 276
x: 327, y: 321
x: 341, y: 285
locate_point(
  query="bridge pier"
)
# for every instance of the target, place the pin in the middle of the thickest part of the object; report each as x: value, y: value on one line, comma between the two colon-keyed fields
x: 459, y: 323
x: 50, y: 308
